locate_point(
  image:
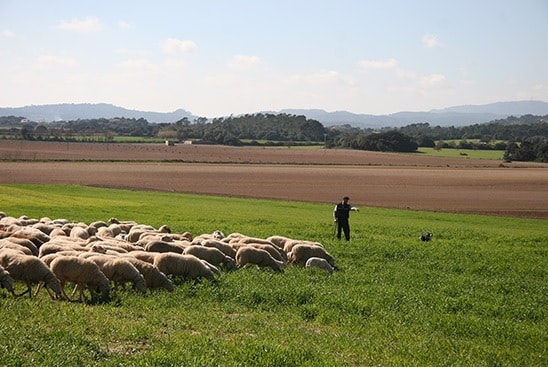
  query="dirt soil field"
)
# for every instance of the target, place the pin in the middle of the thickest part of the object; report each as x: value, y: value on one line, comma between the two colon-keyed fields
x: 404, y: 181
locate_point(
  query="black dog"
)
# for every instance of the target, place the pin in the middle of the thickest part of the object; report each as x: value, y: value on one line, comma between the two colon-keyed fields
x: 426, y: 236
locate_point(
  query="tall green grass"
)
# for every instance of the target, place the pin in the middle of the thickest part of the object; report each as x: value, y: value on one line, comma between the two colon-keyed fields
x: 475, y: 295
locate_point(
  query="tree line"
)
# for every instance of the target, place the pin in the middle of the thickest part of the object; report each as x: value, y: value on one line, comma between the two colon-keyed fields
x: 522, y: 138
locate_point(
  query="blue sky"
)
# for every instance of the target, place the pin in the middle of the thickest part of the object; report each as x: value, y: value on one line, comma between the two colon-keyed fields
x: 216, y: 58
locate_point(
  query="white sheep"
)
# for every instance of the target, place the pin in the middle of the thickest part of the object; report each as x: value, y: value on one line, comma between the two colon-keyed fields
x: 163, y: 246
x: 212, y: 255
x: 120, y: 271
x: 144, y: 255
x: 289, y: 244
x: 53, y: 247
x: 318, y: 262
x: 31, y: 270
x: 7, y: 244
x: 255, y: 256
x: 106, y: 248
x: 84, y: 273
x: 301, y: 253
x: 154, y: 278
x: 220, y: 245
x: 124, y: 225
x: 274, y: 251
x: 36, y: 236
x: 278, y: 240
x: 6, y: 281
x: 189, y: 267
x: 58, y: 232
x: 81, y: 232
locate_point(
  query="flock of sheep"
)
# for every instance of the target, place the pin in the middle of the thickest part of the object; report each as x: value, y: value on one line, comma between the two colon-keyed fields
x: 102, y: 256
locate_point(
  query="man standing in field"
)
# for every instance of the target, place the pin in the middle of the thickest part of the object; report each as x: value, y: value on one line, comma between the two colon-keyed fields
x: 341, y: 213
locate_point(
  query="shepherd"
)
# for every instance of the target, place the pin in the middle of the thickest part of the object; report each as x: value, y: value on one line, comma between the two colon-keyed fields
x: 341, y: 214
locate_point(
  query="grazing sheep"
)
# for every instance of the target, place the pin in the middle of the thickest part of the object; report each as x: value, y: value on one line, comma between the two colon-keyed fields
x: 278, y: 240
x: 52, y: 247
x: 246, y: 240
x: 274, y: 251
x: 124, y: 225
x: 121, y: 271
x: 84, y: 273
x: 25, y: 242
x: 318, y: 262
x: 57, y: 232
x: 189, y: 267
x: 7, y: 244
x: 98, y: 224
x: 255, y: 256
x: 6, y: 281
x: 80, y: 232
x: 47, y: 259
x: 154, y: 278
x: 31, y: 270
x: 301, y: 253
x: 104, y: 247
x: 289, y: 244
x: 105, y: 232
x: 44, y: 227
x: 212, y: 255
x: 220, y: 245
x: 139, y: 230
x: 144, y: 255
x: 426, y: 236
x: 36, y: 236
x: 162, y: 246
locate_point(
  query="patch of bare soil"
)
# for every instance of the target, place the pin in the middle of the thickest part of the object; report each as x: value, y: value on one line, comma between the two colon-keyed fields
x: 404, y: 181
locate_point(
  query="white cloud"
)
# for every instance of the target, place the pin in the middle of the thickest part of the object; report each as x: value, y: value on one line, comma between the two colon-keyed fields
x: 430, y: 41
x: 174, y: 45
x: 432, y: 80
x: 379, y: 64
x: 136, y: 64
x: 8, y: 34
x: 243, y: 61
x: 90, y: 24
x: 322, y: 78
x: 124, y: 25
x: 48, y: 60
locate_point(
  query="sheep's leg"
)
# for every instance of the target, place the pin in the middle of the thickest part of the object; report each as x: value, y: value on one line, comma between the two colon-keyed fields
x: 63, y: 291
x: 20, y: 294
x: 52, y: 296
x: 29, y: 291
x: 40, y: 284
x: 76, y: 287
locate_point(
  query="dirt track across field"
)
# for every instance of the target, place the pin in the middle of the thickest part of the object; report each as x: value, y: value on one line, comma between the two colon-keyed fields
x: 403, y: 181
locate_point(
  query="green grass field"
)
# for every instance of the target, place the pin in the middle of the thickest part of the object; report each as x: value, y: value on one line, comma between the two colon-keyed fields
x: 476, y: 295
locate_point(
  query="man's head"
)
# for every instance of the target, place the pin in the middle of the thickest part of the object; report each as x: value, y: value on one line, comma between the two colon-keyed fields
x: 346, y: 198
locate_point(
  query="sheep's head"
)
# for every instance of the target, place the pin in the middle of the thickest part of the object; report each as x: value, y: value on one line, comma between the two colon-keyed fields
x: 218, y: 235
x: 229, y: 263
x: 6, y: 281
x: 99, y: 248
x: 164, y: 229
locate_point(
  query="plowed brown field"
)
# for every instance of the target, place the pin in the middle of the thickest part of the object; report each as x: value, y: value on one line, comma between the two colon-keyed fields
x: 405, y: 181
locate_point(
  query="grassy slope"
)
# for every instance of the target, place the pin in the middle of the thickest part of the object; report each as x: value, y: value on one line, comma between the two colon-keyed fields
x: 475, y: 295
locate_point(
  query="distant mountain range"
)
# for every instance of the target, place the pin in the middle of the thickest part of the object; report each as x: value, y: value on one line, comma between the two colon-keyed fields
x: 75, y: 111
x: 451, y: 116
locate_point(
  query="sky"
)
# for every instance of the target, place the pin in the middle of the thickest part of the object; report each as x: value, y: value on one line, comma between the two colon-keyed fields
x: 217, y: 58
